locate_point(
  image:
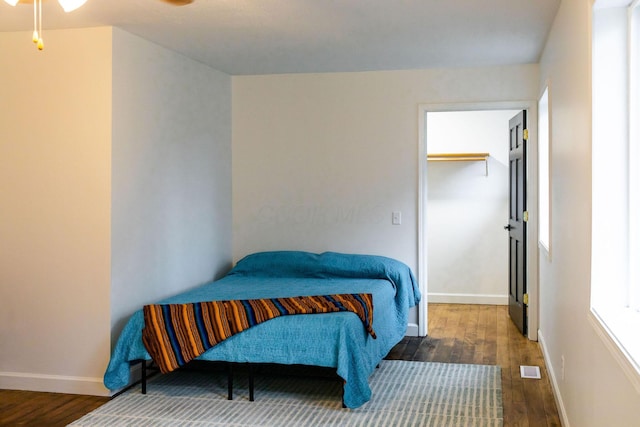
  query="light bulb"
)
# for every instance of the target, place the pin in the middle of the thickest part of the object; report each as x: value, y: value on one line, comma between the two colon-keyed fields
x: 12, y: 2
x: 70, y: 5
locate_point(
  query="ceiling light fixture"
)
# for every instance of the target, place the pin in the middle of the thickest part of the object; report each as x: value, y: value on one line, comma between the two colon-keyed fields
x: 67, y: 6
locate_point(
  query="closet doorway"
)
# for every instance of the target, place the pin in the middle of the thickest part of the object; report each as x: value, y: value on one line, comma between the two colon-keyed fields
x: 464, y: 204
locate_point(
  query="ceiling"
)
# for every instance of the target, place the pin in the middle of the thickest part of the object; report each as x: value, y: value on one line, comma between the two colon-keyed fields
x: 300, y: 36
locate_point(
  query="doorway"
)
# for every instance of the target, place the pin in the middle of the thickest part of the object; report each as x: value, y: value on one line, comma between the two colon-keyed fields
x: 463, y: 248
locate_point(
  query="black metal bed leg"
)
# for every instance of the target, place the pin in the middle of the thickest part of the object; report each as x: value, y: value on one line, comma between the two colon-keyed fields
x: 229, y: 381
x: 250, y: 382
x: 143, y: 378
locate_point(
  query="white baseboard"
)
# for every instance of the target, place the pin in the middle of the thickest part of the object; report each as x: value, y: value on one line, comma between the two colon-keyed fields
x: 412, y: 330
x: 52, y: 383
x: 488, y: 299
x: 554, y: 381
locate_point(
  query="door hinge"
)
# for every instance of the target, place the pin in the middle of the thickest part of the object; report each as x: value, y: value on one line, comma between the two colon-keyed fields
x: 525, y: 134
x: 525, y: 216
x: 525, y: 299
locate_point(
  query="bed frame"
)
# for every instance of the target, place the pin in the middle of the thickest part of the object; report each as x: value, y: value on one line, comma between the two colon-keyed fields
x: 146, y: 365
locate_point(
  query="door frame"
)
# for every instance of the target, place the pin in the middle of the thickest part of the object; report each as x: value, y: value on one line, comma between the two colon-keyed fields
x: 532, y: 203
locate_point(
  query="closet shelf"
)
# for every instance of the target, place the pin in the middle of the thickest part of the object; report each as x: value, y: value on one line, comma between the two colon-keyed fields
x: 461, y: 157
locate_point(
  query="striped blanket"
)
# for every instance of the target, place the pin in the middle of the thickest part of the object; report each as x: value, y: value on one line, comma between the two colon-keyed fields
x: 175, y: 334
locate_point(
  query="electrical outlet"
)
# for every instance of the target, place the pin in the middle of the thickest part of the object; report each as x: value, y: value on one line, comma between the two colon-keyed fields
x: 562, y: 367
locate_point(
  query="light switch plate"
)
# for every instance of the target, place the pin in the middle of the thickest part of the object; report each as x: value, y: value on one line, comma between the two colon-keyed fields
x: 396, y: 218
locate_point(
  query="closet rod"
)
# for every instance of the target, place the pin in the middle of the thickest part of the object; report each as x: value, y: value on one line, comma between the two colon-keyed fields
x: 461, y: 157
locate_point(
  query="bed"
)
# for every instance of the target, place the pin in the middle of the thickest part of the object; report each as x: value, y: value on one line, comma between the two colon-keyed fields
x: 334, y: 340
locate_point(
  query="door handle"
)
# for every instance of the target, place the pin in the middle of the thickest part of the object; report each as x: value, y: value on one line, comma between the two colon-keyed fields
x: 508, y: 227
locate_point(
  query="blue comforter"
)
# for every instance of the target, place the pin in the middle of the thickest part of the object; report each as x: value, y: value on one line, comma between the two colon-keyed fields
x: 335, y: 340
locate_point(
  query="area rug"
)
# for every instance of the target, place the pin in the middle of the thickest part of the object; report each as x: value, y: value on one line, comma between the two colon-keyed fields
x: 404, y: 394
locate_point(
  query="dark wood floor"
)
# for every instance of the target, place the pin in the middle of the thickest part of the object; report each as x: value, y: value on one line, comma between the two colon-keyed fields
x: 484, y: 334
x: 478, y: 334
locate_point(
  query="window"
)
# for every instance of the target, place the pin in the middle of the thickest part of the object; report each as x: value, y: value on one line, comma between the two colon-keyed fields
x: 615, y: 269
x: 544, y: 201
x: 634, y: 151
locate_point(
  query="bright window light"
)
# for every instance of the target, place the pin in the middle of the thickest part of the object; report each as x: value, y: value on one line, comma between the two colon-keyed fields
x: 634, y: 153
x: 544, y: 173
x: 615, y: 186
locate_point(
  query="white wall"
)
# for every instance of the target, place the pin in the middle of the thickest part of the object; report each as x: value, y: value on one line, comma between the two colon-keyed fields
x: 468, y: 256
x: 593, y: 391
x: 55, y: 186
x: 320, y: 161
x: 115, y: 177
x: 171, y: 201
